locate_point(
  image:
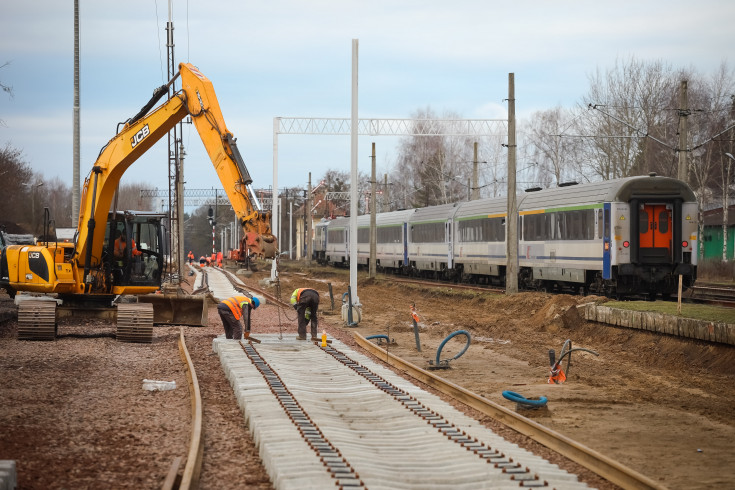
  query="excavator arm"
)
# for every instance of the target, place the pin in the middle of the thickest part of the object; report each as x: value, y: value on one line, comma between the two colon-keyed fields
x: 197, y: 99
x: 229, y: 164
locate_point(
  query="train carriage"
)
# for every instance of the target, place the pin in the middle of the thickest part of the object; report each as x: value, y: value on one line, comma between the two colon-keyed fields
x: 320, y: 241
x: 479, y: 232
x: 391, y: 252
x: 619, y: 237
x: 431, y: 240
x: 615, y: 237
x: 337, y: 250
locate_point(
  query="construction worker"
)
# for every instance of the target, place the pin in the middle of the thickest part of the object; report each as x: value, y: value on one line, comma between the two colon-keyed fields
x: 202, y: 261
x: 306, y: 302
x: 231, y: 310
x: 191, y: 257
x: 121, y: 245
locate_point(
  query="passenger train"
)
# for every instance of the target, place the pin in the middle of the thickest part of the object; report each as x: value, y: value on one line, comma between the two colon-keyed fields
x: 620, y: 237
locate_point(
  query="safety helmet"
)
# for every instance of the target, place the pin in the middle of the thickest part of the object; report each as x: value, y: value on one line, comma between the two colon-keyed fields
x: 256, y: 302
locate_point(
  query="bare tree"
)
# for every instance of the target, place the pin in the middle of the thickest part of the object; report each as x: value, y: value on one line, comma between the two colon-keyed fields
x: 629, y: 100
x: 55, y: 196
x: 16, y: 175
x: 128, y: 198
x: 5, y: 88
x: 550, y: 152
x: 432, y: 169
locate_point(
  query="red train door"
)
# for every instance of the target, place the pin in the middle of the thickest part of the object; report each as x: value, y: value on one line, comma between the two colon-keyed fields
x: 655, y: 233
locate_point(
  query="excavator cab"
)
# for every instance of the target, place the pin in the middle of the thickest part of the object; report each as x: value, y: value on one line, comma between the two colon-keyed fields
x: 134, y: 249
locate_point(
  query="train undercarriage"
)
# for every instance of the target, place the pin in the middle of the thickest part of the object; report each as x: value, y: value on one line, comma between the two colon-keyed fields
x: 648, y: 281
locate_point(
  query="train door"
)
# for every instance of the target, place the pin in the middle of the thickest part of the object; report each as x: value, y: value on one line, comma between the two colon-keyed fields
x: 450, y: 245
x: 347, y: 244
x: 405, y: 244
x: 655, y: 233
x: 606, y: 242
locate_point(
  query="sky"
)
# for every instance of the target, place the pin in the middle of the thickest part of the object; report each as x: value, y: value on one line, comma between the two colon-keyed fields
x: 284, y: 58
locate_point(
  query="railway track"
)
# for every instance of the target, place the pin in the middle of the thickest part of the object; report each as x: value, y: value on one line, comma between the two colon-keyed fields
x: 326, y: 416
x: 712, y: 294
x: 303, y: 384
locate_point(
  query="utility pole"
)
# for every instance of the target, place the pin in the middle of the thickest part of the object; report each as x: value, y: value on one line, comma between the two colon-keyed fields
x: 175, y: 169
x: 475, y: 186
x: 307, y: 210
x: 511, y: 221
x: 683, y: 170
x: 373, y: 231
x: 386, y: 202
x: 179, y: 201
x: 75, y: 197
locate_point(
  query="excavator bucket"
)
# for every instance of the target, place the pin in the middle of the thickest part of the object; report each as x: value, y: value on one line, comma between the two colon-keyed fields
x: 178, y: 309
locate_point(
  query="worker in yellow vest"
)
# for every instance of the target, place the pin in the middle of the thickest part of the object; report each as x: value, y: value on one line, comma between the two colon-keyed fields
x: 306, y: 303
x: 231, y: 310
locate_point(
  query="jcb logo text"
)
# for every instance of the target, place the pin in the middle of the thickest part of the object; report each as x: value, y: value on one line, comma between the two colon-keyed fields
x: 140, y: 136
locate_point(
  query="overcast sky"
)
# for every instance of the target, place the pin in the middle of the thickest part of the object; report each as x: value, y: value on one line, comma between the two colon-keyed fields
x: 272, y: 58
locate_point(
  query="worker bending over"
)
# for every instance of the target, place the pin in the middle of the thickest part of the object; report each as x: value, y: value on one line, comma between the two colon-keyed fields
x: 306, y: 302
x: 231, y: 310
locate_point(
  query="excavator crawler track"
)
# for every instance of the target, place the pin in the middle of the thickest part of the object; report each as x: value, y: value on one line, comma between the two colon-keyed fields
x: 135, y: 323
x: 37, y: 320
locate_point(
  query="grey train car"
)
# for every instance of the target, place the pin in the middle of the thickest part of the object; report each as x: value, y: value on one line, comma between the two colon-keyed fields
x: 320, y: 241
x: 631, y: 236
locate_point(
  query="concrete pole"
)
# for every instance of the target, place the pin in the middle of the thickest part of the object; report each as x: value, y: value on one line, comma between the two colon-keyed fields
x: 683, y: 170
x: 511, y: 227
x: 475, y: 185
x: 386, y: 202
x: 274, y: 206
x: 354, y: 179
x: 75, y: 196
x: 290, y: 229
x: 309, y: 245
x: 373, y: 231
x: 181, y: 254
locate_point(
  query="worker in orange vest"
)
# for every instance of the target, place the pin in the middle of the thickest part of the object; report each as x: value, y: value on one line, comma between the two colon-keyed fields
x: 306, y: 303
x: 191, y: 257
x: 231, y: 310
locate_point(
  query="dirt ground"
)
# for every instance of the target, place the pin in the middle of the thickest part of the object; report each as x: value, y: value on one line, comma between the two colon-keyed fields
x: 75, y: 415
x: 660, y: 405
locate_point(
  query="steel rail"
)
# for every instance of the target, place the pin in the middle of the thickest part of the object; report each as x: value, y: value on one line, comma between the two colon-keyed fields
x: 603, y: 466
x: 193, y: 468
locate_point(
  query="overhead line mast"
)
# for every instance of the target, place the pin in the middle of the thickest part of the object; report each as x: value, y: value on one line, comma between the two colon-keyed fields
x: 175, y: 163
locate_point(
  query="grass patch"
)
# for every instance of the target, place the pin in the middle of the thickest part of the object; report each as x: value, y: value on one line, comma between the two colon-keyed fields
x: 708, y: 313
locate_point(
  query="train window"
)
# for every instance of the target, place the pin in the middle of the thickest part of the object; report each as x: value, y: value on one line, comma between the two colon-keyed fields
x: 557, y: 226
x: 481, y: 230
x: 536, y: 226
x: 336, y: 236
x: 663, y: 222
x: 363, y: 235
x: 389, y: 234
x: 606, y: 229
x: 578, y: 224
x: 599, y: 223
x: 427, y: 232
x: 643, y: 221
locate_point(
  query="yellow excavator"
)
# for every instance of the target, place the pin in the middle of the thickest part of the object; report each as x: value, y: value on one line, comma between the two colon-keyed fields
x: 116, y: 254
